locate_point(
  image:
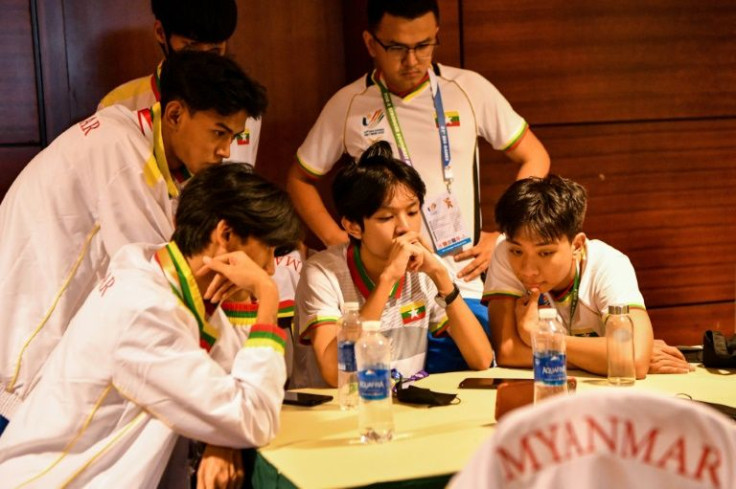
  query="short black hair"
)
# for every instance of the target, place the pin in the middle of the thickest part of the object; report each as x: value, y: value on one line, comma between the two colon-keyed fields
x: 210, y: 21
x: 361, y: 188
x: 249, y: 204
x: 407, y: 9
x: 207, y: 81
x: 549, y: 207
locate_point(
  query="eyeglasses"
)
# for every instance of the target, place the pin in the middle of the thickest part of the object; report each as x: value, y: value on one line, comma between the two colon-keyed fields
x: 422, y: 50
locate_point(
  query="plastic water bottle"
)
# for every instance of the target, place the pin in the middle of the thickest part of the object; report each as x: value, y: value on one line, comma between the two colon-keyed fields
x: 375, y: 419
x: 620, y: 343
x: 348, y: 333
x: 550, y: 360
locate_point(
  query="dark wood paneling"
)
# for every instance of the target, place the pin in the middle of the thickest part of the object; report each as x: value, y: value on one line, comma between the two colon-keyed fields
x: 294, y: 49
x: 108, y: 42
x: 685, y: 325
x: 609, y: 60
x: 18, y: 105
x: 12, y: 161
x: 662, y: 193
x: 54, y: 72
x: 357, y: 60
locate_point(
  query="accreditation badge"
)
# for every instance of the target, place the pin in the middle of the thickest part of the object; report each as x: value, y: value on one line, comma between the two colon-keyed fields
x: 445, y: 223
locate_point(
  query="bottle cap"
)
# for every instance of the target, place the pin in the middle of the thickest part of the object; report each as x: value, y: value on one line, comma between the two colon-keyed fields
x: 352, y: 306
x: 618, y: 309
x: 548, y: 313
x: 371, y: 325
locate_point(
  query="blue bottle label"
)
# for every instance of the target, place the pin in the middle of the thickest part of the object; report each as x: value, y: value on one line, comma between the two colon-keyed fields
x: 374, y: 385
x: 346, y: 356
x: 550, y: 368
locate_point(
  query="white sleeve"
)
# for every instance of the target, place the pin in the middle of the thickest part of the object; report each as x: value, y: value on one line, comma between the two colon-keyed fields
x: 615, y: 284
x: 501, y: 280
x: 498, y: 123
x: 159, y: 365
x: 318, y: 300
x: 325, y: 143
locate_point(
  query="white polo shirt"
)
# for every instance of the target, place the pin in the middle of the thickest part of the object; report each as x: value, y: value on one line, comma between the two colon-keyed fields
x: 606, y: 278
x: 336, y: 276
x: 355, y: 117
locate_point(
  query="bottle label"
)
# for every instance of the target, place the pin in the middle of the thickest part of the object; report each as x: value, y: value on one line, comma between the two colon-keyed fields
x: 346, y: 356
x: 550, y: 368
x: 374, y: 385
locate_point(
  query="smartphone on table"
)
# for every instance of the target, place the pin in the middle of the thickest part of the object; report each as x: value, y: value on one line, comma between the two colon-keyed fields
x: 305, y: 398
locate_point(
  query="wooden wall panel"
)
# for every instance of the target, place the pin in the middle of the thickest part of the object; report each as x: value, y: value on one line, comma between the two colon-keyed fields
x: 685, y: 325
x: 12, y: 160
x: 660, y: 192
x: 610, y: 60
x: 108, y: 42
x: 18, y: 104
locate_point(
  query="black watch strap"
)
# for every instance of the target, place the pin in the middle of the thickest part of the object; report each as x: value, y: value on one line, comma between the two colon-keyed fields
x: 449, y: 298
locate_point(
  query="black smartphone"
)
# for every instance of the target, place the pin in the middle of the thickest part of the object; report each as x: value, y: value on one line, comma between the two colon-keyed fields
x: 484, y: 383
x: 305, y: 398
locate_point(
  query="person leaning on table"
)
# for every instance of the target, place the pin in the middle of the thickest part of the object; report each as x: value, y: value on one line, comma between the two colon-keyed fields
x: 388, y: 270
x: 545, y: 256
x: 150, y: 356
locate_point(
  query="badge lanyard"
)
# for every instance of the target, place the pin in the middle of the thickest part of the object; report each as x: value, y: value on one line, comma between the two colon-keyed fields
x: 574, y: 293
x: 393, y: 121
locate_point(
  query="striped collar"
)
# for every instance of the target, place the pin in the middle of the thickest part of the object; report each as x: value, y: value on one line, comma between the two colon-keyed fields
x: 156, y: 82
x: 360, y: 275
x: 377, y: 78
x: 183, y: 284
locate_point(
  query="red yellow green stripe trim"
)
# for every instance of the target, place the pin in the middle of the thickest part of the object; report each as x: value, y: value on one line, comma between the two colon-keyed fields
x: 360, y: 275
x: 180, y: 277
x: 266, y: 336
x: 316, y: 323
x: 240, y: 313
x: 516, y: 139
x: 307, y: 170
x: 157, y: 167
x: 440, y: 328
x: 286, y: 309
x: 499, y: 294
x: 377, y: 78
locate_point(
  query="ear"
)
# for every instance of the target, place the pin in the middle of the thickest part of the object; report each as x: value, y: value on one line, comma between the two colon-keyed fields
x: 578, y: 242
x: 159, y: 33
x: 173, y: 114
x: 222, y: 235
x: 369, y: 43
x: 352, y: 228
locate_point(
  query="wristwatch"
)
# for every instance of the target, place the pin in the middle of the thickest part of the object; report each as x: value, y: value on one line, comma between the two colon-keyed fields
x: 449, y: 298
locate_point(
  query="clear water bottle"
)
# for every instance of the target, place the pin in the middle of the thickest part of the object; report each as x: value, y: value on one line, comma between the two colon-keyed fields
x: 348, y: 333
x: 375, y: 419
x: 620, y: 343
x: 550, y: 360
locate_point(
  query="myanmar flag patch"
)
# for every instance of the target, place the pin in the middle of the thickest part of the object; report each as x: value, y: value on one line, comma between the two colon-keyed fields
x: 244, y: 138
x: 452, y: 119
x: 413, y: 312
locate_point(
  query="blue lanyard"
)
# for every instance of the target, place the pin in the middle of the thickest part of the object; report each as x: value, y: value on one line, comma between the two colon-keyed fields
x: 393, y: 121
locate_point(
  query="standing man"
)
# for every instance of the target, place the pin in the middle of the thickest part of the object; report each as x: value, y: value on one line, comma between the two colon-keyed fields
x: 189, y: 25
x: 108, y: 181
x: 432, y: 115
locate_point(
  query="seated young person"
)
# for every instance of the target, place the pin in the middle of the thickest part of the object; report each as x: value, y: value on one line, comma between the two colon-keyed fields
x: 387, y: 269
x: 545, y: 253
x: 150, y: 356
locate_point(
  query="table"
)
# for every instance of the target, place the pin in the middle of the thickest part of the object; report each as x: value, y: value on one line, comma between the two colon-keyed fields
x: 319, y: 447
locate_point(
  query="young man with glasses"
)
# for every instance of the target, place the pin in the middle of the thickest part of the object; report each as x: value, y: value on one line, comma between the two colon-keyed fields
x: 399, y: 102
